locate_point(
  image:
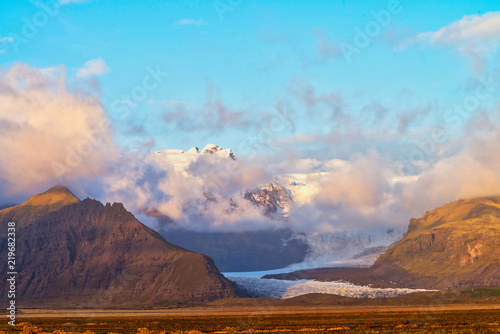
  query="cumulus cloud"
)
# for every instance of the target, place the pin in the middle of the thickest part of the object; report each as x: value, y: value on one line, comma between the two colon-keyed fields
x: 199, y: 192
x: 473, y: 172
x: 205, y: 193
x: 353, y: 194
x: 49, y: 133
x: 367, y: 191
x: 93, y: 67
x: 473, y: 36
x: 361, y: 185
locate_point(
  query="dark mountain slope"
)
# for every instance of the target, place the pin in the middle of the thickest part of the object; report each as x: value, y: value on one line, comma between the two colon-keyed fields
x: 83, y: 253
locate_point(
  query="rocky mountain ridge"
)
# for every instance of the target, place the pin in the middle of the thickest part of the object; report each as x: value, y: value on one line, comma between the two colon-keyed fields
x: 73, y: 253
x: 456, y: 245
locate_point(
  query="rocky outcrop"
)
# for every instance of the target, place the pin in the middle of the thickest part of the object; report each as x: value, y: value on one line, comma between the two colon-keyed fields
x: 73, y: 253
x: 272, y: 197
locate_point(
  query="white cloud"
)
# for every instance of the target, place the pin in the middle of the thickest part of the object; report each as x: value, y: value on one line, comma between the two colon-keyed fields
x: 473, y: 172
x: 199, y: 191
x: 473, y: 36
x: 6, y: 39
x: 93, y: 67
x: 185, y: 22
x: 49, y: 133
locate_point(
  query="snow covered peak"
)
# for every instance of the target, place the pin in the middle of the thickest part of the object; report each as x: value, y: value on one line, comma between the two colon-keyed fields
x: 211, y: 148
x: 181, y: 160
x: 208, y: 149
x: 216, y: 149
x: 193, y: 150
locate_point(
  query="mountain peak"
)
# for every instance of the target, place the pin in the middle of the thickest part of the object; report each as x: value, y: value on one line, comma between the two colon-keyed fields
x: 57, y: 196
x: 216, y: 149
x: 211, y: 148
x: 193, y: 150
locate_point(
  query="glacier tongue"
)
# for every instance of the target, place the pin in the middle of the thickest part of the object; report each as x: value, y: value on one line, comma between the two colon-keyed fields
x: 341, y: 249
x: 258, y: 287
x: 349, y: 247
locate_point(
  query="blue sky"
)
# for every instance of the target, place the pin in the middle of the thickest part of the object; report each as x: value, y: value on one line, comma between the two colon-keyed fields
x: 248, y: 58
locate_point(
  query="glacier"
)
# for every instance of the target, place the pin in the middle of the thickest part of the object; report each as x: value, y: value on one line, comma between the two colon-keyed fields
x: 259, y: 287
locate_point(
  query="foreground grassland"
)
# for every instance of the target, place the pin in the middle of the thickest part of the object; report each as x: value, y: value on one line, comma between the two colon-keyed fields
x: 354, y: 321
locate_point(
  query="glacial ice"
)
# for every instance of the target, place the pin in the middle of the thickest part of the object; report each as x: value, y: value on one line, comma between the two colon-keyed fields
x: 259, y: 287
